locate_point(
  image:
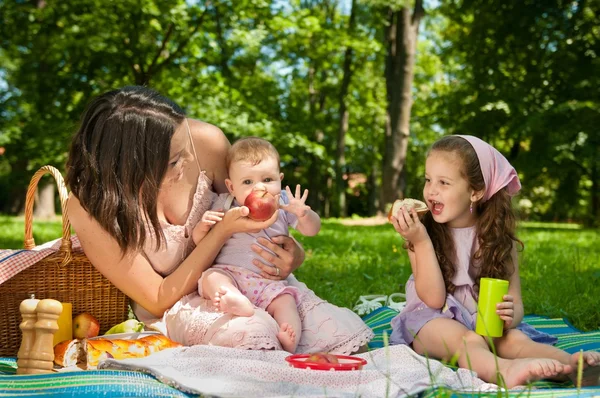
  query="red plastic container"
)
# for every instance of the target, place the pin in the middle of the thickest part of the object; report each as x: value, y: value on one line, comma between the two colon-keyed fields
x: 345, y: 363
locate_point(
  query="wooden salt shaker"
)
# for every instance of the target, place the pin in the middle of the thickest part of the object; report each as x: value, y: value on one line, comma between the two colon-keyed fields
x: 41, y: 358
x: 27, y: 327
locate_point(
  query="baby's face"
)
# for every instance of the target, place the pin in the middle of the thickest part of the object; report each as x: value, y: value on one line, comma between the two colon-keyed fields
x: 245, y: 177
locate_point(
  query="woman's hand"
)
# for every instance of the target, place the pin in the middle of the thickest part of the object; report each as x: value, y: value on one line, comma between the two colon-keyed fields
x: 236, y: 220
x: 409, y: 226
x: 506, y: 310
x: 288, y: 256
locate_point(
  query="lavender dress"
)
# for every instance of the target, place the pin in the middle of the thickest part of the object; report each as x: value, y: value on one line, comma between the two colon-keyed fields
x: 460, y: 306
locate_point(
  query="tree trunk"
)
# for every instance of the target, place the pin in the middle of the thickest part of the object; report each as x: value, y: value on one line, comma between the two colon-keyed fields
x: 44, y: 202
x: 344, y: 115
x: 401, y: 40
x: 595, y: 196
x: 315, y: 200
x: 373, y: 198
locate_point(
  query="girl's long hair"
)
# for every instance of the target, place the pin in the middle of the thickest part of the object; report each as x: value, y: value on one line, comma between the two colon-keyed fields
x: 495, y: 225
x: 118, y: 159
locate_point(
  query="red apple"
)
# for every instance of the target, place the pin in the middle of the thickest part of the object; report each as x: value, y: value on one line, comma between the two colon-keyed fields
x: 262, y: 205
x: 85, y: 326
x: 322, y: 357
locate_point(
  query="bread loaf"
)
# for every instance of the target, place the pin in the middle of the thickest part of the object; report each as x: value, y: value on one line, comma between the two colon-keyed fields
x: 89, y: 352
x: 419, y: 206
x: 67, y: 353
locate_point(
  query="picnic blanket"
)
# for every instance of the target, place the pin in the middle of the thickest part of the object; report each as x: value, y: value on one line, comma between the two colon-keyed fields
x: 14, y: 261
x: 143, y: 384
x: 209, y: 370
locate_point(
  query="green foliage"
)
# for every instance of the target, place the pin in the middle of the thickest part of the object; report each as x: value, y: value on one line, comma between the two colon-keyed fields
x: 521, y: 74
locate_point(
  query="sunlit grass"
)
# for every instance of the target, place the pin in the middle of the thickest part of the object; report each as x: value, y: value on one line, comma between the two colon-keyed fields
x: 560, y: 267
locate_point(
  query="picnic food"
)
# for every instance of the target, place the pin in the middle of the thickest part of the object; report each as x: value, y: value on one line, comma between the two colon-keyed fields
x: 89, y: 352
x: 262, y: 205
x: 129, y: 326
x: 342, y: 362
x: 322, y: 357
x: 419, y: 206
x: 66, y: 353
x: 85, y: 326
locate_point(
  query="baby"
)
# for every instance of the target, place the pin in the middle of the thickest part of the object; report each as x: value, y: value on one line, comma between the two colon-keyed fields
x: 234, y: 283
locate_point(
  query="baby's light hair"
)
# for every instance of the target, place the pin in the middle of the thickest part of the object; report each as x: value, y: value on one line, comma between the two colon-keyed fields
x: 251, y: 149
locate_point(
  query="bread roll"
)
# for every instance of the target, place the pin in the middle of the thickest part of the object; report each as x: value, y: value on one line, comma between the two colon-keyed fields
x: 419, y: 206
x: 99, y: 349
x: 89, y: 352
x: 67, y: 353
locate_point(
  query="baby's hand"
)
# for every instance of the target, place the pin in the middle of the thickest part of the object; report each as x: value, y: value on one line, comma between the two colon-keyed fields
x: 209, y: 219
x: 506, y: 310
x: 409, y: 226
x: 297, y: 204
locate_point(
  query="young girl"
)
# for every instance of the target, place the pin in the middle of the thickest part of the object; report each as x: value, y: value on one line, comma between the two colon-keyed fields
x: 234, y: 283
x: 469, y: 233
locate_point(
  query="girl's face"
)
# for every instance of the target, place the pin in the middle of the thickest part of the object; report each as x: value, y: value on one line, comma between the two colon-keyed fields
x: 245, y: 177
x: 447, y: 193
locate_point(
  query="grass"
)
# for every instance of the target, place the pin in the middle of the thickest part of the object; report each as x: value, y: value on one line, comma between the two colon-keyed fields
x: 560, y: 266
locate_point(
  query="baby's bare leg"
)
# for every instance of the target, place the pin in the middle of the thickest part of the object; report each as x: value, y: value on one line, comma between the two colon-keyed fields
x: 225, y: 295
x: 442, y: 338
x: 284, y: 310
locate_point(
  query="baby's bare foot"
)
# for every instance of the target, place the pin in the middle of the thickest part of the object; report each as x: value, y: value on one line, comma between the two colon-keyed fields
x: 591, y: 368
x: 287, y: 338
x: 521, y: 371
x: 232, y: 302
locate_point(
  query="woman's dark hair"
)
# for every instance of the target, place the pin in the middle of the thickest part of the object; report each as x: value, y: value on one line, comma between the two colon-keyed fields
x: 118, y: 159
x: 495, y: 226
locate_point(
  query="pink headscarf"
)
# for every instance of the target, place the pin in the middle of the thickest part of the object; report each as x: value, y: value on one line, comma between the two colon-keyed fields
x: 497, y: 171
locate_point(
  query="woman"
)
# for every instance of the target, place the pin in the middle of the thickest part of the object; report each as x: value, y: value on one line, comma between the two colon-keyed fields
x: 141, y: 175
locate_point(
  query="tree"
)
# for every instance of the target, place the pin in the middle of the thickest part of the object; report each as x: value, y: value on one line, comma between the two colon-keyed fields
x: 401, y: 40
x: 344, y: 116
x: 525, y: 87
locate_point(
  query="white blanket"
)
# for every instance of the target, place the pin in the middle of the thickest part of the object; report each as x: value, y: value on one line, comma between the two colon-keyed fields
x: 395, y: 371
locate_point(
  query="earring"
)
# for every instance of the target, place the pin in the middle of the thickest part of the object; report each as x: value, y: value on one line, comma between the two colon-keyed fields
x: 471, y: 208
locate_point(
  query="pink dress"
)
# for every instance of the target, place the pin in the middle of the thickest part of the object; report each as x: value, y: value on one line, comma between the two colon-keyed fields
x: 235, y: 259
x: 460, y: 306
x: 192, y: 320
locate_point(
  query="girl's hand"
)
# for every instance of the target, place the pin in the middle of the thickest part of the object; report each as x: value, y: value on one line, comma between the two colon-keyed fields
x: 236, y: 220
x: 506, y: 310
x: 409, y: 226
x: 288, y: 256
x: 297, y: 205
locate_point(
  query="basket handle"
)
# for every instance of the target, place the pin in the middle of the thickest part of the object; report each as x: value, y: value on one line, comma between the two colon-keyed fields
x: 63, y: 194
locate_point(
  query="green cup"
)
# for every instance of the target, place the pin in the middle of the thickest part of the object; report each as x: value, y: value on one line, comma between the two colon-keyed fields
x: 491, y: 292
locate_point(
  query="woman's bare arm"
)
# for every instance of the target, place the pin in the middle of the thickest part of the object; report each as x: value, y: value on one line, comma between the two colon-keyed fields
x: 134, y: 275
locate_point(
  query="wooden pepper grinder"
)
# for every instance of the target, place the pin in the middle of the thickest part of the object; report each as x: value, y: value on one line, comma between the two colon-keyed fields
x: 41, y: 357
x: 27, y: 327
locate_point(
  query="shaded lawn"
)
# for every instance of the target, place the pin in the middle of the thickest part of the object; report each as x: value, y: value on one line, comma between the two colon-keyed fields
x: 560, y: 266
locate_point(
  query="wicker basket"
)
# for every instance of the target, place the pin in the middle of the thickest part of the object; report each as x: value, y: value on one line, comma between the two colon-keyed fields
x: 66, y: 276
